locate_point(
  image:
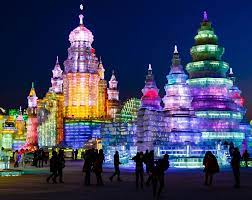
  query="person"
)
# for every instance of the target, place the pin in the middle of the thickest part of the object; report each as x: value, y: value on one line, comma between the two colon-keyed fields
x: 73, y: 154
x: 116, y: 166
x: 35, y: 158
x: 76, y: 154
x: 235, y: 164
x: 245, y: 157
x: 41, y: 155
x: 146, y: 161
x: 46, y: 156
x: 87, y: 166
x: 53, y: 167
x: 98, y: 167
x: 138, y: 159
x: 151, y: 166
x: 16, y: 156
x: 211, y: 167
x: 61, y: 165
x: 5, y: 158
x: 158, y: 172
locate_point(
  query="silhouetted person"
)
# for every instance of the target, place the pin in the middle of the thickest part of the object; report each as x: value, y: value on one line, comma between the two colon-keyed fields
x: 41, y: 155
x: 150, y: 164
x: 116, y: 166
x: 73, y: 154
x: 235, y: 163
x: 16, y: 159
x: 98, y: 167
x: 231, y: 148
x: 35, y: 158
x: 146, y: 161
x: 61, y: 165
x: 211, y: 167
x: 158, y: 174
x: 53, y: 167
x: 76, y: 154
x: 245, y: 157
x: 87, y: 166
x: 138, y: 159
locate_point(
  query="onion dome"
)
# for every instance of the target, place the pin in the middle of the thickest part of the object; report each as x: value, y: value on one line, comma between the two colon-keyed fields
x: 81, y: 33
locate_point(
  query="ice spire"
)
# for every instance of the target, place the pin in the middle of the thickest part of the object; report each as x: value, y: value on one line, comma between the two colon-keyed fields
x: 231, y: 71
x: 81, y: 15
x: 175, y: 58
x: 175, y: 49
x: 205, y: 17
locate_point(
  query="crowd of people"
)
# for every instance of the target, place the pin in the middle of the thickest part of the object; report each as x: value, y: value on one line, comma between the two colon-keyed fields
x: 155, y: 169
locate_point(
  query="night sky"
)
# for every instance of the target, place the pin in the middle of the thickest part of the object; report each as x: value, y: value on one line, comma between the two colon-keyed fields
x: 128, y: 35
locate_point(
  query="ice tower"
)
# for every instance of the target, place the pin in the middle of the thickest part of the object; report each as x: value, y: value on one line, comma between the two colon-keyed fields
x: 32, y: 122
x: 149, y: 117
x: 113, y: 97
x: 81, y: 75
x: 219, y: 116
x: 179, y: 116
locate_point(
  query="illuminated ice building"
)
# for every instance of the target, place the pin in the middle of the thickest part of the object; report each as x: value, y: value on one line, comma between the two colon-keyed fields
x: 216, y: 101
x: 32, y: 121
x: 71, y: 113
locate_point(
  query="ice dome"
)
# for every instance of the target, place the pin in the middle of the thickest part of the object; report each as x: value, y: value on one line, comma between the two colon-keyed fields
x: 81, y: 33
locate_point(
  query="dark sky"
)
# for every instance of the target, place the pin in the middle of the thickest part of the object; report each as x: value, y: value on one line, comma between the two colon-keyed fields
x: 128, y: 34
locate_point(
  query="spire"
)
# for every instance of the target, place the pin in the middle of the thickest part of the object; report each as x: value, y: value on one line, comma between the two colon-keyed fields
x: 100, y: 61
x: 81, y: 15
x: 32, y: 91
x: 113, y: 82
x: 20, y: 109
x: 175, y: 58
x: 205, y: 17
x: 57, y: 60
x: 113, y: 78
x: 150, y: 68
x: 175, y: 49
x: 231, y: 71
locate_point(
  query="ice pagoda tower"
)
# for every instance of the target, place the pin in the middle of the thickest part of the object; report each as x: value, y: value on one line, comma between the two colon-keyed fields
x: 218, y: 114
x: 149, y: 117
x: 113, y: 97
x: 84, y: 90
x: 179, y: 116
x: 81, y: 76
x: 32, y: 122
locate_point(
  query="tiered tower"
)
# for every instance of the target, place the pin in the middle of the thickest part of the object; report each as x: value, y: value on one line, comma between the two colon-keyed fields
x: 57, y: 79
x: 84, y: 90
x: 113, y: 97
x: 218, y: 114
x: 81, y: 76
x: 32, y: 122
x: 181, y: 123
x: 102, y: 96
x: 149, y: 117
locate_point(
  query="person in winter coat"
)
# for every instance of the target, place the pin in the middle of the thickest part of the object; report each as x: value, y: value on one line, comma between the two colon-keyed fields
x: 245, y: 157
x: 211, y: 167
x: 98, y: 167
x: 158, y: 173
x: 53, y: 167
x: 16, y: 157
x: 61, y: 165
x: 235, y: 164
x: 87, y: 167
x: 116, y: 166
x: 139, y: 159
x: 150, y: 166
